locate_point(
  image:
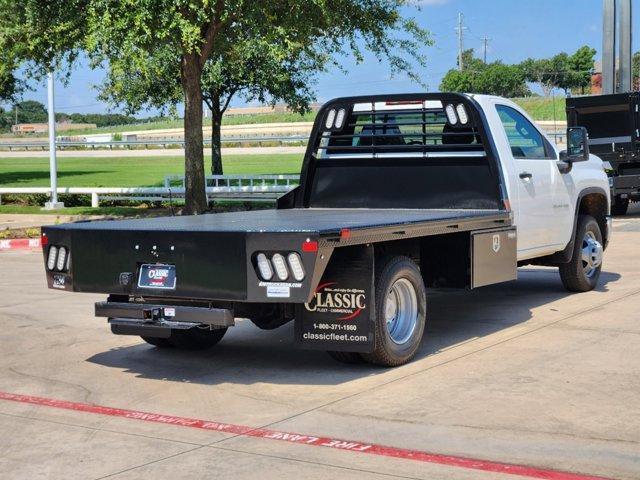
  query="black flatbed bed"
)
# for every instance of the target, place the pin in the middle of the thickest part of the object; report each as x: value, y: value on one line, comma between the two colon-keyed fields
x: 320, y: 221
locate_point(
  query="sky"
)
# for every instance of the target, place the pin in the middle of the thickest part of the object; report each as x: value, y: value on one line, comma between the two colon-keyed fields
x: 518, y: 29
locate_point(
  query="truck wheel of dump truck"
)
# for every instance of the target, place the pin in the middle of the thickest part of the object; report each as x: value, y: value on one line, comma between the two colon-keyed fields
x: 196, y: 338
x: 157, y: 342
x: 582, y: 272
x: 400, y: 312
x: 619, y: 206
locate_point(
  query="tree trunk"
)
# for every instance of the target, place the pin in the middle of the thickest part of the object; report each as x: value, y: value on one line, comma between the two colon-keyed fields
x: 195, y: 195
x: 216, y: 135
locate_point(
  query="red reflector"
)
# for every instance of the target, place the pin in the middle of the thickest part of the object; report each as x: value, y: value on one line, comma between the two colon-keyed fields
x: 345, y: 233
x: 310, y: 246
x: 44, y: 240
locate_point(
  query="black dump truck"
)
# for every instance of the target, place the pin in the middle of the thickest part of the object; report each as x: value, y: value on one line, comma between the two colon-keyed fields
x: 397, y: 194
x: 613, y: 123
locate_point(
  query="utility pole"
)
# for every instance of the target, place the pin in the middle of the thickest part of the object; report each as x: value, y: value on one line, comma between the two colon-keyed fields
x: 608, y: 46
x: 460, y: 29
x: 53, y: 203
x: 485, y: 42
x: 624, y: 52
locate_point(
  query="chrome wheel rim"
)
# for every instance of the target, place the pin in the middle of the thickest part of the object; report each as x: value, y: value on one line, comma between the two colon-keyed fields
x: 591, y: 254
x: 401, y: 311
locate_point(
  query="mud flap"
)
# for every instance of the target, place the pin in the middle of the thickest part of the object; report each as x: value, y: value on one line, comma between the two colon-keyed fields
x: 340, y: 316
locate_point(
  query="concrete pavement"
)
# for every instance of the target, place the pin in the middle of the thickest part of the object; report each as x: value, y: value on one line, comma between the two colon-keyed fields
x: 522, y: 373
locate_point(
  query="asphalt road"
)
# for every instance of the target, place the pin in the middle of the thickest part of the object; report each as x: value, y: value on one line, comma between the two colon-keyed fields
x: 522, y: 373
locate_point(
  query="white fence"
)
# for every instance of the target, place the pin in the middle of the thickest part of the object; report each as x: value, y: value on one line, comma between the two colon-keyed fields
x: 235, y: 187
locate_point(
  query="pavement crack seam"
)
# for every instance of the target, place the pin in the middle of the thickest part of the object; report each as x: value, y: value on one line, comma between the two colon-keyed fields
x: 446, y: 362
x: 135, y: 467
x: 309, y: 462
x: 87, y: 392
x: 99, y: 429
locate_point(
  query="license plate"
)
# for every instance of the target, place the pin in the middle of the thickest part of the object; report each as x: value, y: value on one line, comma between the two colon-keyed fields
x: 157, y: 276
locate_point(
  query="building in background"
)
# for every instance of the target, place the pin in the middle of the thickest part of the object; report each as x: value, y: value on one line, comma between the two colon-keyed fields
x: 37, y: 128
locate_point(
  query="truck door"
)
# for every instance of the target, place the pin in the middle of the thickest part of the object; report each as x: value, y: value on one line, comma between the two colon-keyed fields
x: 538, y: 183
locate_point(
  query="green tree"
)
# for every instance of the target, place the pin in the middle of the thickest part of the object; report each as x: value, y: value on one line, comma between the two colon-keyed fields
x: 470, y: 62
x: 536, y: 71
x: 457, y: 81
x: 635, y: 71
x: 561, y: 71
x: 581, y: 63
x: 180, y: 42
x: 29, y: 111
x: 167, y: 38
x: 263, y: 71
x: 4, y: 122
x: 503, y: 80
x: 37, y: 37
x: 494, y: 78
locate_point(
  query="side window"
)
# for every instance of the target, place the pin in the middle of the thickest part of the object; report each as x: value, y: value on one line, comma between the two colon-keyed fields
x: 525, y: 139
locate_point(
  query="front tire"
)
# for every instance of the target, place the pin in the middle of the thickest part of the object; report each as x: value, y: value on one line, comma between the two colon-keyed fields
x: 581, y: 274
x: 400, y: 298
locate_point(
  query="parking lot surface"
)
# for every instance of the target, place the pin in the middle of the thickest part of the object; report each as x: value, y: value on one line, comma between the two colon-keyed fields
x: 521, y: 373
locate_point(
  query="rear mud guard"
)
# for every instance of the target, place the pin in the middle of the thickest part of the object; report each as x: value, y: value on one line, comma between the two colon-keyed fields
x: 340, y: 315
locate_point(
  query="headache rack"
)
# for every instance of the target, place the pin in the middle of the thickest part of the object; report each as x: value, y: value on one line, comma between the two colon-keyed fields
x: 411, y: 128
x: 428, y: 150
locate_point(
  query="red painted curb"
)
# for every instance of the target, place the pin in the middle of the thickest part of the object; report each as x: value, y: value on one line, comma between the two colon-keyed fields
x: 357, y: 447
x: 20, y: 244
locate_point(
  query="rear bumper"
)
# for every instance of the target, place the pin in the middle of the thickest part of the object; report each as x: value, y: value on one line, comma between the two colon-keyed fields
x: 159, y: 320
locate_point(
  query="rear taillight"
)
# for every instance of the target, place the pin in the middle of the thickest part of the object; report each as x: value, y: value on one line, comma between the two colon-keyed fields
x: 264, y: 266
x: 61, y: 263
x: 280, y: 266
x: 295, y: 263
x: 58, y: 258
x: 53, y: 255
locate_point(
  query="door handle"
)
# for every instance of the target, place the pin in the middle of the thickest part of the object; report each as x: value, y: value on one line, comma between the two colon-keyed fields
x: 526, y: 175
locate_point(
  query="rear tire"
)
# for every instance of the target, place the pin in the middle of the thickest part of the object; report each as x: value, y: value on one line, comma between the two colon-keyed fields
x: 346, y: 357
x: 196, y: 338
x: 400, y: 315
x: 157, y: 342
x: 581, y: 274
x: 619, y: 206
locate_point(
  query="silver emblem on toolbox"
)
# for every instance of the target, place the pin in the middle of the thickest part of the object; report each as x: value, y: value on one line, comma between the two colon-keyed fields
x: 496, y: 242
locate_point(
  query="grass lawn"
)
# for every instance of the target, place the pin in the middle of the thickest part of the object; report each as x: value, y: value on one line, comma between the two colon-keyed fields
x: 111, y: 211
x: 131, y: 171
x: 542, y: 108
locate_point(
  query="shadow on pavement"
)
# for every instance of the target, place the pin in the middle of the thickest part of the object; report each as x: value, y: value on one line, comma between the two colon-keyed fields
x: 248, y: 355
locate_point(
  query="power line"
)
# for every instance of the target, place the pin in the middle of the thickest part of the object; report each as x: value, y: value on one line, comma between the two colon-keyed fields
x: 485, y: 42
